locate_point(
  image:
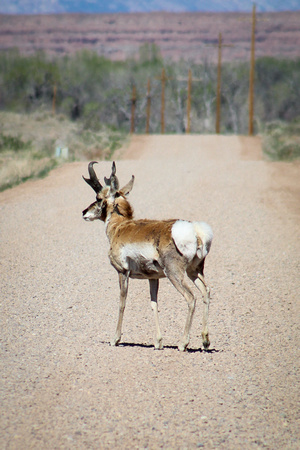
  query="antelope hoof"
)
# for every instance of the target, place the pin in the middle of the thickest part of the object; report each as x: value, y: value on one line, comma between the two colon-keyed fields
x: 158, y: 345
x: 182, y: 347
x: 205, y: 340
x: 114, y: 342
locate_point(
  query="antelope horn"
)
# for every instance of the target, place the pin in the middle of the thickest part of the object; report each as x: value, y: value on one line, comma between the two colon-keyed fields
x: 93, y: 180
x: 112, y: 181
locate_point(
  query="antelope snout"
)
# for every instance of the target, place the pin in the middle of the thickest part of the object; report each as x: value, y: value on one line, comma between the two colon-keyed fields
x: 85, y: 215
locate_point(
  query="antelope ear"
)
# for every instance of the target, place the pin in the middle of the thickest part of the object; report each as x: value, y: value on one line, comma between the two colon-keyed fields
x: 127, y: 188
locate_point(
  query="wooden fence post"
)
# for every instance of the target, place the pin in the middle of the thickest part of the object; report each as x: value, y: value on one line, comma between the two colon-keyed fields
x: 54, y: 99
x: 218, y: 107
x: 163, y: 80
x: 133, y: 102
x: 163, y: 85
x: 251, y: 78
x: 188, y: 128
x: 148, y: 106
x: 218, y: 95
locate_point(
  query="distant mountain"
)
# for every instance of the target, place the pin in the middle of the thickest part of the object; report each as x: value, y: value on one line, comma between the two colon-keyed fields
x: 115, y: 6
x: 186, y: 35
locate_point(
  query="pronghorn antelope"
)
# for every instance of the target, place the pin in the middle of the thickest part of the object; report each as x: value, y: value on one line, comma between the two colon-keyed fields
x: 151, y: 249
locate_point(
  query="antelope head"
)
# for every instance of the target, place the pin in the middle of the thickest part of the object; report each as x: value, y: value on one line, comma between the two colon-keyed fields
x: 109, y: 198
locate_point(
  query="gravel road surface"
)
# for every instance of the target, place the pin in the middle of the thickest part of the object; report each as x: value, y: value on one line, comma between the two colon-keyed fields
x: 64, y: 387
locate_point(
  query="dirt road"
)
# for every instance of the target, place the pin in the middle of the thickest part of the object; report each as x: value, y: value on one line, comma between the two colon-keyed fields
x: 64, y: 386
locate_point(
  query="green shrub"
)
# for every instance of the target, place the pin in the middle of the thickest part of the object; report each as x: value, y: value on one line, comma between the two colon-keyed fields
x: 13, y: 143
x: 281, y: 140
x: 98, y: 91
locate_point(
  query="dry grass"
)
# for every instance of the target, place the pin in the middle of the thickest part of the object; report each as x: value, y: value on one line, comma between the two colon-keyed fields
x: 18, y: 170
x: 28, y: 144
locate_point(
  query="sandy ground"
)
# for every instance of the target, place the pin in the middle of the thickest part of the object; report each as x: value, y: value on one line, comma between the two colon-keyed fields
x: 64, y: 387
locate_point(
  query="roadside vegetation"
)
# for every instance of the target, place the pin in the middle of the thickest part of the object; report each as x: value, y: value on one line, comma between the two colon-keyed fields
x: 281, y: 140
x: 82, y: 103
x: 32, y: 144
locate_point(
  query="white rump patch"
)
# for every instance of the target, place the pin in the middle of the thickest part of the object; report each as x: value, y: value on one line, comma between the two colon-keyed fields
x: 185, y: 239
x: 205, y: 233
x: 185, y: 236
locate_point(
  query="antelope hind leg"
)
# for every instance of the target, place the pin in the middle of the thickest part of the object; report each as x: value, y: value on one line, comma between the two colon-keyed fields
x: 204, y: 289
x: 183, y: 288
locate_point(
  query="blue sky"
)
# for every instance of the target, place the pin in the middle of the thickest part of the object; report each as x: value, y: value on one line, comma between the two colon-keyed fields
x: 102, y: 6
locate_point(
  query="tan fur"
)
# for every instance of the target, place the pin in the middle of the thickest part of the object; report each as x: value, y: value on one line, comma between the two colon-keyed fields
x: 146, y: 249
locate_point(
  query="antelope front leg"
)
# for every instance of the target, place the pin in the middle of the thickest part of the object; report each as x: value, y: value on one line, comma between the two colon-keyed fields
x: 153, y: 294
x: 201, y: 285
x: 123, y: 282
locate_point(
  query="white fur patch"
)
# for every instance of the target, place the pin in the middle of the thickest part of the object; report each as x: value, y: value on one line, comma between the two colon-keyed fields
x: 185, y: 236
x: 185, y: 239
x: 137, y: 252
x: 204, y: 231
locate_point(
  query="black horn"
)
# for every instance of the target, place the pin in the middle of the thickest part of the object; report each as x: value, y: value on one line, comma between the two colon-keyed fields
x: 93, y: 180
